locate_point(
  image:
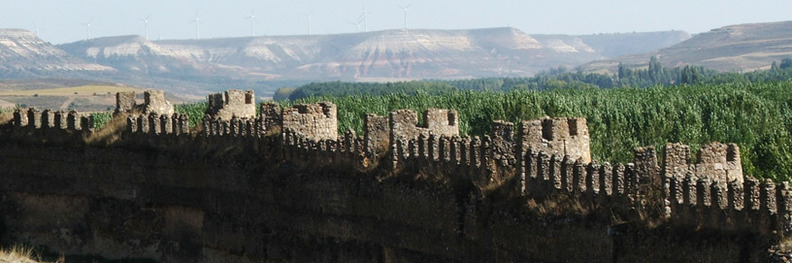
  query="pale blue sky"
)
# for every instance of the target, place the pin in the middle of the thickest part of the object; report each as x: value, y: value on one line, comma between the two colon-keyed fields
x: 60, y: 21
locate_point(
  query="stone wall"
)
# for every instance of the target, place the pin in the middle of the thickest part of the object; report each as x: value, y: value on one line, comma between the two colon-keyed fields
x: 398, y: 192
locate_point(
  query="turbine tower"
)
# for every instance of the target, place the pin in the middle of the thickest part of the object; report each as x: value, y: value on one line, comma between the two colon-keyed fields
x: 87, y: 29
x: 404, y: 8
x: 197, y: 22
x: 145, y: 25
x: 308, y: 16
x: 364, y: 17
x: 253, y: 20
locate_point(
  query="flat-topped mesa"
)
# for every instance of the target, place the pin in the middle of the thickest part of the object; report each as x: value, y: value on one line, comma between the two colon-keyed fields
x: 316, y: 121
x: 231, y: 103
x: 714, y: 161
x: 557, y: 136
x: 153, y: 102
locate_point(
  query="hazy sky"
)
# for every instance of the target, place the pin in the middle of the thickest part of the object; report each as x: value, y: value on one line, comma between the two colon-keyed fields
x: 62, y: 21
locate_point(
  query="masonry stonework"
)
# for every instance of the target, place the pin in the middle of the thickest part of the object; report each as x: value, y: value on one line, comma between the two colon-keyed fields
x: 153, y: 102
x: 238, y: 192
x: 232, y: 103
x: 317, y: 121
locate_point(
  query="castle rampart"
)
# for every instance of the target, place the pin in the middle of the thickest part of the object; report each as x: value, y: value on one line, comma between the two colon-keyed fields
x: 233, y: 187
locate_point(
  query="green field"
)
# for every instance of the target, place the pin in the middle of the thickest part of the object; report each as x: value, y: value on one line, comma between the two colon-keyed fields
x: 758, y: 117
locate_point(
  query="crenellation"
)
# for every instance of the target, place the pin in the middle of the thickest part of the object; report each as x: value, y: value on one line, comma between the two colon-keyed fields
x: 34, y: 118
x: 475, y: 152
x: 443, y: 149
x: 432, y: 147
x: 60, y: 120
x: 579, y: 176
x: 592, y: 178
x: 618, y: 179
x: 155, y: 126
x: 555, y: 172
x: 73, y: 120
x: 47, y: 119
x: 689, y: 194
x: 19, y: 120
x: 543, y: 169
x: 87, y: 123
x: 606, y: 179
x: 703, y: 198
x: 567, y: 176
x: 767, y: 197
x: 166, y: 124
x: 752, y: 198
x: 784, y: 198
x: 143, y: 124
x: 718, y: 196
x: 735, y: 196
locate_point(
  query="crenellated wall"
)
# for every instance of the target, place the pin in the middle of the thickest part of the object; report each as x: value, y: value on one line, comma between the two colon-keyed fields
x: 286, y: 186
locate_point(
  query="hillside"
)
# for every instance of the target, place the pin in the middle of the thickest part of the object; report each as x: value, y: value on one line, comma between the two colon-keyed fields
x: 739, y: 48
x: 381, y: 55
x: 22, y: 54
x: 268, y: 62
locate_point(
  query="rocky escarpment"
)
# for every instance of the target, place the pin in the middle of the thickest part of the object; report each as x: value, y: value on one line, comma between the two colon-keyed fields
x: 381, y: 55
x: 743, y: 47
x: 22, y: 53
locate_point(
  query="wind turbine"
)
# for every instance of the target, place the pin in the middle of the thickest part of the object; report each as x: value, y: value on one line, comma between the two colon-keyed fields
x: 308, y: 16
x: 197, y: 22
x: 364, y: 17
x: 253, y: 20
x: 404, y: 8
x: 36, y: 29
x: 145, y: 25
x: 87, y: 29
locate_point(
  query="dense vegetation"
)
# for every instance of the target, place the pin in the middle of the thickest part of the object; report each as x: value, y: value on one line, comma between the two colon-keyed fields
x: 756, y: 116
x: 557, y: 78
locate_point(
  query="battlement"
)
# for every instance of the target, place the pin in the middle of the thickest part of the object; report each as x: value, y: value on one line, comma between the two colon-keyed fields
x: 547, y: 158
x: 153, y: 102
x: 715, y: 161
x: 155, y: 124
x: 32, y: 118
x: 232, y: 103
x: 562, y: 136
x: 317, y: 121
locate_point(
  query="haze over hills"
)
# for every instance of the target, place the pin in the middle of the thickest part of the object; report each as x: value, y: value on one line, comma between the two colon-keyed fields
x: 737, y: 48
x: 267, y: 61
x: 23, y: 55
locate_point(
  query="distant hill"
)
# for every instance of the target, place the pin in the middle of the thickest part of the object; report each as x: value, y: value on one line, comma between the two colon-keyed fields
x: 22, y: 54
x: 737, y: 48
x: 266, y: 62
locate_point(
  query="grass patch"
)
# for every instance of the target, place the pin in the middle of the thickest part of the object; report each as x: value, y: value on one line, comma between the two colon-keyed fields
x: 70, y: 91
